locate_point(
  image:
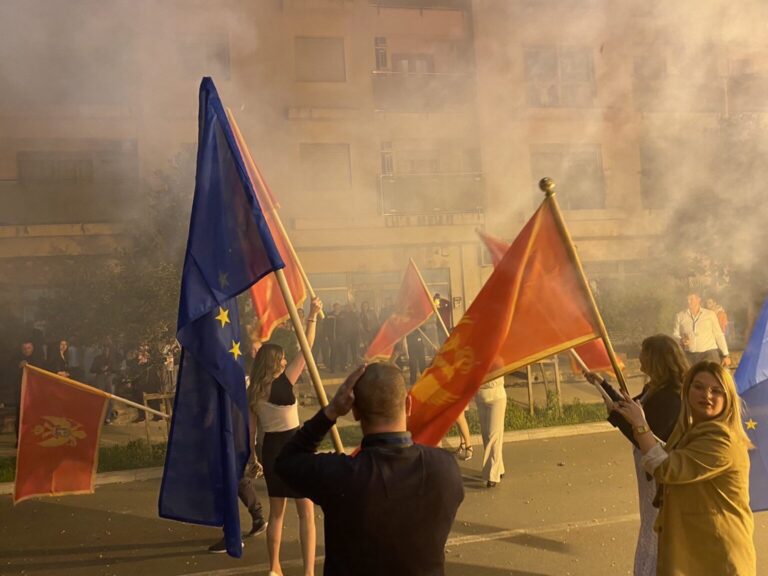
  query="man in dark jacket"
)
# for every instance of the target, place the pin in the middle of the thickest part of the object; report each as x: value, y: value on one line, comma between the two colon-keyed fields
x: 389, y: 509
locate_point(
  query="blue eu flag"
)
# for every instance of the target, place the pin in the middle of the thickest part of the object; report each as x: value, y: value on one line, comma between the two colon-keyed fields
x: 229, y: 249
x: 752, y: 384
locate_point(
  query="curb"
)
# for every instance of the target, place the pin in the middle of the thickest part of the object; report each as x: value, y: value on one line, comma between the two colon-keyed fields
x: 140, y: 474
x: 120, y: 477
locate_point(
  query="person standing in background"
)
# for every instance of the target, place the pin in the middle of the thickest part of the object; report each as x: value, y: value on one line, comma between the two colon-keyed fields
x: 698, y: 331
x: 491, y: 401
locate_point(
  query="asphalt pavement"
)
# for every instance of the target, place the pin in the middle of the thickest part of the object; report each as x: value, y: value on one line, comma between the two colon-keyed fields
x: 567, y: 506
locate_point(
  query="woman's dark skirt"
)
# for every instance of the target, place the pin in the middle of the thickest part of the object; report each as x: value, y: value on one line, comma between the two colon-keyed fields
x: 273, y: 443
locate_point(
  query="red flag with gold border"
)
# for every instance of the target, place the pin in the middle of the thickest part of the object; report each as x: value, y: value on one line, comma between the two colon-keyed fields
x: 267, y: 299
x: 59, y: 431
x: 594, y: 353
x: 533, y: 305
x: 413, y: 307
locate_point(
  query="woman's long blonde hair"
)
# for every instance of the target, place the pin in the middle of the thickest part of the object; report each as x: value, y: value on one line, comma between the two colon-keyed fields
x: 266, y: 364
x: 731, y: 415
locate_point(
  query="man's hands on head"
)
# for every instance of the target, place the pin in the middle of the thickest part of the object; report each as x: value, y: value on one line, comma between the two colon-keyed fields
x: 342, y: 401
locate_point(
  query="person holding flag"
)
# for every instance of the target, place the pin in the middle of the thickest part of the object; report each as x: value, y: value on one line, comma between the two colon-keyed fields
x: 705, y: 525
x: 272, y: 400
x: 665, y: 364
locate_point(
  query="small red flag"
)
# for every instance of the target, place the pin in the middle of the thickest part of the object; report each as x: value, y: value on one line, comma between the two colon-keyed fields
x: 593, y: 353
x: 268, y: 302
x: 413, y: 307
x: 58, y: 435
x: 532, y: 306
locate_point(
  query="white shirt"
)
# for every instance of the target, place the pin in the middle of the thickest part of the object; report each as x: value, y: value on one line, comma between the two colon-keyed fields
x: 703, y: 331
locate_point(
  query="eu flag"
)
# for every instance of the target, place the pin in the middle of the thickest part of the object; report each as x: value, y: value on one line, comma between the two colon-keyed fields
x: 229, y: 249
x: 752, y: 384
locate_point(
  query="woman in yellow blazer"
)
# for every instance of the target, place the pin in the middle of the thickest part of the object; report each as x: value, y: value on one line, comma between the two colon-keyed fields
x: 705, y: 525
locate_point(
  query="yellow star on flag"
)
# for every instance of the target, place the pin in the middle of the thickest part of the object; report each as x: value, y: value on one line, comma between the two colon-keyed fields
x: 235, y: 350
x: 751, y: 424
x: 223, y: 280
x: 223, y: 316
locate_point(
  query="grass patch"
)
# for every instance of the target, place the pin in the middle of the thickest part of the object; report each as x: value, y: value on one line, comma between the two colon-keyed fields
x: 129, y: 456
x: 136, y: 454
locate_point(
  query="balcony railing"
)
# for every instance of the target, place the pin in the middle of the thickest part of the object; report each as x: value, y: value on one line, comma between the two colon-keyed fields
x: 432, y: 193
x: 421, y: 92
x: 63, y: 204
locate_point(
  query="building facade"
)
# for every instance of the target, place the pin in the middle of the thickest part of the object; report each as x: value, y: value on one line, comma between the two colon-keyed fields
x: 387, y: 129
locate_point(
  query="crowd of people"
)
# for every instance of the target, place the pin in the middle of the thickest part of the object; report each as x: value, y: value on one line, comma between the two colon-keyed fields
x: 106, y: 367
x: 389, y: 509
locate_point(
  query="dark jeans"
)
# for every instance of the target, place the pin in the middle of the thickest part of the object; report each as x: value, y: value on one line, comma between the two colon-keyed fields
x: 247, y: 493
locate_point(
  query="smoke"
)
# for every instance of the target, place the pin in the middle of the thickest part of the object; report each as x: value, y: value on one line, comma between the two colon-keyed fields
x: 652, y: 111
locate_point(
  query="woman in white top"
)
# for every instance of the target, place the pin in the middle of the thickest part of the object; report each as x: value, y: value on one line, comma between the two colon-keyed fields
x: 272, y: 400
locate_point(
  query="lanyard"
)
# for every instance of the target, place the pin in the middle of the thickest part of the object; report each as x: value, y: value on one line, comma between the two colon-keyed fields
x: 694, y: 320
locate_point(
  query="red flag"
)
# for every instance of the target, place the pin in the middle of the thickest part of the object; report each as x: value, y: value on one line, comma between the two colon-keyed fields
x: 58, y: 435
x: 413, y: 308
x: 267, y: 299
x: 533, y: 305
x: 593, y: 353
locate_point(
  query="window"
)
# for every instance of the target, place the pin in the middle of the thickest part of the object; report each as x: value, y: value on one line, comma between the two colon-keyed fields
x: 55, y: 167
x: 578, y: 170
x: 559, y: 77
x: 413, y: 63
x: 380, y: 44
x: 325, y: 166
x: 320, y: 60
x: 387, y: 158
x: 657, y: 175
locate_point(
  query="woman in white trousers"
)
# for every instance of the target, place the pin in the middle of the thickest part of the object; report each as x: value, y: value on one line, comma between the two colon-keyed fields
x: 491, y: 400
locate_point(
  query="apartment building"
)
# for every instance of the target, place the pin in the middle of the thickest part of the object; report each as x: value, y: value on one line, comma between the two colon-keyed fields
x: 388, y: 129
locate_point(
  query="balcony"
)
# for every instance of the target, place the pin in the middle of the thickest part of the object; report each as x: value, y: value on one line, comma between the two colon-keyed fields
x: 431, y: 193
x: 64, y: 204
x: 421, y: 91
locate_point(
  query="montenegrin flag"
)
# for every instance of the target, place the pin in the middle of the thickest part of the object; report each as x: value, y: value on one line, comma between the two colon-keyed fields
x: 268, y: 302
x: 413, y: 308
x: 58, y: 435
x: 533, y: 305
x: 593, y: 353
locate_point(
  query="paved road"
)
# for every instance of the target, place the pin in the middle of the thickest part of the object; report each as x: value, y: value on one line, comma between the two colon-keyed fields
x: 566, y: 507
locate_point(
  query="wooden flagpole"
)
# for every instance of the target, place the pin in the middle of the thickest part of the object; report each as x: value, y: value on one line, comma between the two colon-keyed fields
x: 94, y: 390
x: 307, y: 353
x: 584, y: 370
x: 291, y: 249
x: 431, y: 301
x: 547, y: 185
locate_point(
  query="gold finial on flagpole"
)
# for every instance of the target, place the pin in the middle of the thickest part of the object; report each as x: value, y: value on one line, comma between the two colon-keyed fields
x: 547, y: 185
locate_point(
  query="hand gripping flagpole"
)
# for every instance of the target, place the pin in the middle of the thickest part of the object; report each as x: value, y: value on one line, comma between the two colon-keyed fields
x: 547, y: 185
x: 307, y: 353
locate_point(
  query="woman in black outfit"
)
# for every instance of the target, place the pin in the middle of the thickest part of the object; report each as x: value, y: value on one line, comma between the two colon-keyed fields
x: 272, y: 401
x: 665, y: 364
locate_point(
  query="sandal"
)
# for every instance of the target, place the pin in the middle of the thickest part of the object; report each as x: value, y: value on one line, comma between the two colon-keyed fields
x: 464, y: 452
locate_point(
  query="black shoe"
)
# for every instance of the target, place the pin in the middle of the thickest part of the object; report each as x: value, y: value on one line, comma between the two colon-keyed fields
x: 220, y: 547
x: 491, y: 484
x: 259, y: 526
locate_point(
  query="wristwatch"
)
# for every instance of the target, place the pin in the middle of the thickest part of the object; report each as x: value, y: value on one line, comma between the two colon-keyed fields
x: 640, y: 430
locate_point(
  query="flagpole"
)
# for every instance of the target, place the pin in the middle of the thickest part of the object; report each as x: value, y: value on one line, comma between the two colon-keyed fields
x: 431, y: 301
x: 307, y: 353
x: 584, y: 370
x: 94, y: 390
x: 427, y: 339
x: 547, y: 185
